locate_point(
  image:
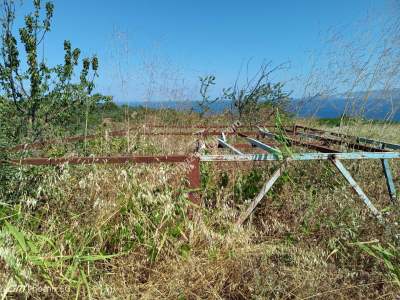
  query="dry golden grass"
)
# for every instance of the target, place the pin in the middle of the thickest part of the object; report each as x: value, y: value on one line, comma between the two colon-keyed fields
x: 123, y: 232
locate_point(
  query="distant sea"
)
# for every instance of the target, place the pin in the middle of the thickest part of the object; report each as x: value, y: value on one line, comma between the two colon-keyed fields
x: 373, y: 109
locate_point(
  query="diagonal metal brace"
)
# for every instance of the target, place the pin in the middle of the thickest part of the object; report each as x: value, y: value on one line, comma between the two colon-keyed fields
x: 346, y: 174
x: 267, y: 186
x: 223, y: 143
x: 265, y: 147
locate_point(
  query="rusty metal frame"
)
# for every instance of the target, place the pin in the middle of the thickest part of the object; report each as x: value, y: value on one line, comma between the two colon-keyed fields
x: 348, y: 144
x: 101, y: 160
x: 118, y: 133
x: 274, y: 154
x: 359, y: 140
x: 381, y: 147
x: 333, y: 156
x: 292, y: 141
x: 193, y: 162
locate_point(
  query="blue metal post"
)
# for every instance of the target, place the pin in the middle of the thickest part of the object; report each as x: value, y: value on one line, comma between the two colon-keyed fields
x: 389, y: 177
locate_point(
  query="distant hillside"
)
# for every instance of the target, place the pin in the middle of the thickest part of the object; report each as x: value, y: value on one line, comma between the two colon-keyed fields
x: 376, y: 105
x: 217, y: 107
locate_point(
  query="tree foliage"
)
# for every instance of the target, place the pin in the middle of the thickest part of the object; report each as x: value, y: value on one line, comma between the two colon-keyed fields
x: 247, y: 99
x: 36, y: 97
x: 205, y: 84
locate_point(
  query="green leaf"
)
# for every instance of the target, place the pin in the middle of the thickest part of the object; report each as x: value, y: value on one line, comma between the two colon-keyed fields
x: 19, y: 236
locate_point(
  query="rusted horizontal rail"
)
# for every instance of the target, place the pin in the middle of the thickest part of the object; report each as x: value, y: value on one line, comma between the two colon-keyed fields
x: 353, y: 139
x: 292, y: 141
x: 349, y: 144
x: 217, y: 157
x: 314, y: 146
x: 119, y: 133
x: 43, y: 161
x: 337, y: 134
x: 141, y: 130
x: 197, y: 126
x: 322, y: 148
x: 193, y: 173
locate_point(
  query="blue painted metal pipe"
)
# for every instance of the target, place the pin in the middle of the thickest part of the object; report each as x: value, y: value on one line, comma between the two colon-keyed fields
x: 346, y: 174
x: 303, y: 156
x: 383, y: 144
x: 389, y: 179
x: 265, y: 147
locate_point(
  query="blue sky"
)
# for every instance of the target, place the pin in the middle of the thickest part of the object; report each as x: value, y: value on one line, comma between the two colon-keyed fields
x: 188, y: 39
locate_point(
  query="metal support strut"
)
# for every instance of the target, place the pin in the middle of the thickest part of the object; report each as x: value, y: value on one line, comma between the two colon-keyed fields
x: 267, y: 186
x: 223, y: 143
x: 346, y: 174
x: 388, y: 176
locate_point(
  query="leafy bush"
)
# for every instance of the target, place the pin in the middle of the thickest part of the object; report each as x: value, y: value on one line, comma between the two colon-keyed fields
x: 247, y: 186
x: 389, y: 255
x: 37, y: 97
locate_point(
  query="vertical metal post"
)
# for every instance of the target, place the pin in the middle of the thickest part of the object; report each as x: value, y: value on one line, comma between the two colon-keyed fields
x: 389, y: 177
x: 194, y: 179
x: 294, y: 129
x: 346, y: 174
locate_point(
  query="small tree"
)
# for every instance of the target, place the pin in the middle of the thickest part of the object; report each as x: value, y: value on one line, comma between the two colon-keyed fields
x: 204, y: 104
x: 249, y: 98
x: 35, y: 96
x: 256, y: 92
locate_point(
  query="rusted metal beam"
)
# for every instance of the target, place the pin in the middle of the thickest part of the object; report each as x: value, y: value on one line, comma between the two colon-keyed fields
x: 382, y: 144
x: 354, y: 140
x: 305, y: 128
x: 196, y: 126
x: 313, y: 146
x: 119, y: 133
x: 184, y: 158
x: 194, y: 179
x: 44, y: 161
x: 297, y: 142
x: 346, y: 143
x: 242, y: 145
x: 193, y: 174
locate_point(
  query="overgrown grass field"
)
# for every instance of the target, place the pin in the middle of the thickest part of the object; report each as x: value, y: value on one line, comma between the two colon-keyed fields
x: 123, y: 231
